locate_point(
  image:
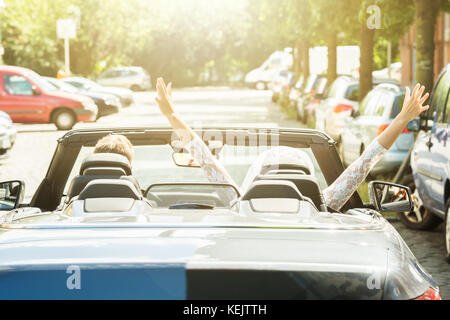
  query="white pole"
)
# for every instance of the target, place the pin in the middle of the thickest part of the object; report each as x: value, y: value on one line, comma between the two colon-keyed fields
x: 66, y: 56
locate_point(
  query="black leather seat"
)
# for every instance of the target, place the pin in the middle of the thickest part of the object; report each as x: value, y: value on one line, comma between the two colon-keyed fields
x: 306, y: 184
x: 101, y: 166
x: 107, y: 188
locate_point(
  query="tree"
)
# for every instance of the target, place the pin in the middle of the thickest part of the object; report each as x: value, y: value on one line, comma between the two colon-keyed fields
x: 426, y: 13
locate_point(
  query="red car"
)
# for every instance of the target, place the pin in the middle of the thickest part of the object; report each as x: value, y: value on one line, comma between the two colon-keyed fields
x: 28, y: 98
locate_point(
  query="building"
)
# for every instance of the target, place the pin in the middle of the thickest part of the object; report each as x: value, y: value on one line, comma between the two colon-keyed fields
x: 441, y: 52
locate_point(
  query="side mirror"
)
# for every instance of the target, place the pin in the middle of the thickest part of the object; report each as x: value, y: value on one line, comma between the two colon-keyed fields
x: 11, y: 194
x: 184, y: 159
x: 414, y: 125
x: 354, y: 113
x: 36, y: 91
x: 390, y: 197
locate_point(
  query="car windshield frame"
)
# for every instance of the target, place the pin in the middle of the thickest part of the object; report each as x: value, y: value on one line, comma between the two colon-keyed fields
x: 51, y: 189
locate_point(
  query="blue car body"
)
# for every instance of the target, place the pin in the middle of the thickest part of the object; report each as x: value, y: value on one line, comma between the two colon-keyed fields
x: 431, y: 154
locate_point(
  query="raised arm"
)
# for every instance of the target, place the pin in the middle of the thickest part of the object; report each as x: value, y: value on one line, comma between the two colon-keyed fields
x: 338, y: 193
x: 214, y: 170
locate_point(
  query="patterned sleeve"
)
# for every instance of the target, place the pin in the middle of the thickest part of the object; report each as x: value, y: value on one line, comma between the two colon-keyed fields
x: 338, y: 193
x: 214, y: 170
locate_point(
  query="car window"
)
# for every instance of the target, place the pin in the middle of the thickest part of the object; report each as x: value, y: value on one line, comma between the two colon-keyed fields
x: 17, y: 85
x: 352, y: 92
x: 337, y: 89
x: 320, y: 85
x: 384, y: 104
x: 310, y: 83
x: 109, y: 74
x: 397, y: 106
x: 369, y: 103
x: 440, y: 95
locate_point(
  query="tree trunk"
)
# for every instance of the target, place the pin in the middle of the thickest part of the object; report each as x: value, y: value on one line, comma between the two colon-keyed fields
x: 332, y: 56
x: 297, y: 58
x: 426, y: 13
x: 366, y: 61
x: 305, y: 59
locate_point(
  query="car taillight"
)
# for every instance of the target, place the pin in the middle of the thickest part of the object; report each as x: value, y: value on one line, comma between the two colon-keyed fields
x: 342, y: 107
x: 430, y: 294
x: 384, y: 127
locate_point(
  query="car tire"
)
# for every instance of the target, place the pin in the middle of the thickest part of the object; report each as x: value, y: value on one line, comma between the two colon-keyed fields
x: 64, y: 119
x: 419, y: 218
x: 135, y: 88
x: 274, y: 98
x: 447, y: 232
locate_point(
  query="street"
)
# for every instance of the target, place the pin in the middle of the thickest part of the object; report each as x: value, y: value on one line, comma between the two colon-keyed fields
x: 35, y: 144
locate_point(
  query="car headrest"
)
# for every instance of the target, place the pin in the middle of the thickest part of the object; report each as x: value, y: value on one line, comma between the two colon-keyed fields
x: 306, y: 184
x: 106, y: 160
x: 109, y: 188
x: 272, y: 189
x: 104, y: 171
x: 285, y: 171
x: 285, y: 166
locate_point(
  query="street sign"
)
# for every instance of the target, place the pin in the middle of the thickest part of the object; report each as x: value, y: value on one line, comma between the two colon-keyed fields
x: 66, y: 28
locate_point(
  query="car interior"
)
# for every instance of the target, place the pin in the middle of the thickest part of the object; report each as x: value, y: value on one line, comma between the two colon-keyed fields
x: 105, y: 184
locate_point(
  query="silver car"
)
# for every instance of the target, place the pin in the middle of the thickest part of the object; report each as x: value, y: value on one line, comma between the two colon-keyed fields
x: 376, y: 112
x: 342, y: 98
x: 8, y: 133
x: 98, y: 229
x: 134, y: 78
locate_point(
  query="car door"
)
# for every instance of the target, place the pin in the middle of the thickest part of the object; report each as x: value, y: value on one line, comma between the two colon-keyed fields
x: 439, y: 148
x: 19, y: 100
x: 432, y: 158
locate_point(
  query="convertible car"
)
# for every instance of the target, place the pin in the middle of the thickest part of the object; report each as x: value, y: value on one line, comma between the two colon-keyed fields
x: 97, y: 228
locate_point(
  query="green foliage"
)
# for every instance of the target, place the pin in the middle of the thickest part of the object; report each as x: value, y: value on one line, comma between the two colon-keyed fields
x: 187, y: 41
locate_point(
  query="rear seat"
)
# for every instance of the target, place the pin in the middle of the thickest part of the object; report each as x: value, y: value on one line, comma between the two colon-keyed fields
x: 101, y: 166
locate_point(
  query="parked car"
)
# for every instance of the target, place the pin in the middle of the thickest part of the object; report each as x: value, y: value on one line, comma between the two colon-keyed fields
x: 430, y: 165
x: 375, y: 113
x: 396, y: 72
x: 179, y: 239
x: 306, y: 98
x: 286, y: 88
x: 341, y: 101
x: 28, y: 98
x: 133, y: 78
x: 125, y: 95
x: 277, y: 84
x: 106, y: 103
x: 7, y: 133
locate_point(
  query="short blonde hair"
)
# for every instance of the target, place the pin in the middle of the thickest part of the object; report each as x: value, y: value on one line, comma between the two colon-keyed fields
x: 115, y: 143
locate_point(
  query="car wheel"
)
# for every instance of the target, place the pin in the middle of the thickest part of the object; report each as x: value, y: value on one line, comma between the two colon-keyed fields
x: 274, y: 97
x: 135, y: 87
x: 447, y: 232
x: 64, y: 119
x: 260, y: 85
x: 419, y: 218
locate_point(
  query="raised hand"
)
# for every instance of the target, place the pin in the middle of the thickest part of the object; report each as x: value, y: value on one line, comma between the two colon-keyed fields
x: 164, y: 97
x: 412, y: 105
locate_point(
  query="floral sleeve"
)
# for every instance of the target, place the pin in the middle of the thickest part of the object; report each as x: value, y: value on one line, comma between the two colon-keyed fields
x: 214, y: 170
x: 338, y: 193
